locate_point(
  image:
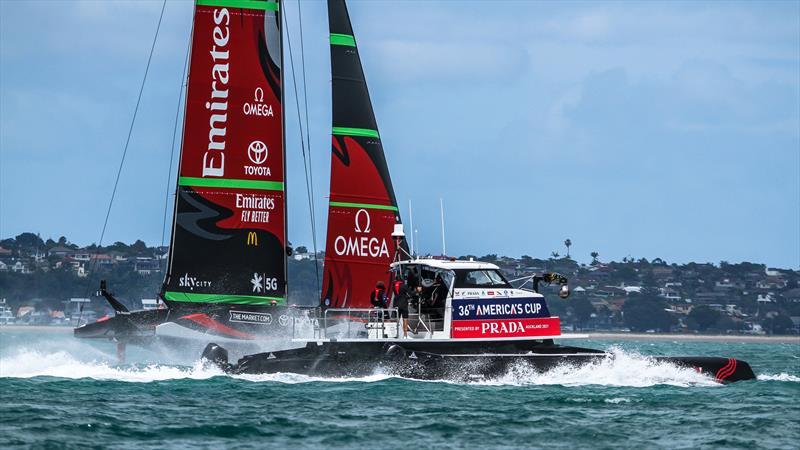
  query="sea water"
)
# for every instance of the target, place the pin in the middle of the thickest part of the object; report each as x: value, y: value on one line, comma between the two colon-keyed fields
x: 57, y: 391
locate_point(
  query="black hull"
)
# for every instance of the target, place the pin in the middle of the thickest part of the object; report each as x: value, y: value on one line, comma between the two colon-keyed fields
x: 139, y: 327
x: 136, y: 327
x: 458, y: 361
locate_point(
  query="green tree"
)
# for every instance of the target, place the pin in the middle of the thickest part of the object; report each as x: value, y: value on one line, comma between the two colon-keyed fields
x: 583, y: 309
x: 568, y: 244
x: 702, y: 318
x: 647, y: 312
x: 139, y: 246
x: 780, y: 324
x: 594, y: 257
x: 29, y: 241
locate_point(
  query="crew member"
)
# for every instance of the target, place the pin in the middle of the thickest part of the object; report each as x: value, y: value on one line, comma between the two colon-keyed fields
x: 378, y: 298
x: 401, y: 300
x: 438, y: 299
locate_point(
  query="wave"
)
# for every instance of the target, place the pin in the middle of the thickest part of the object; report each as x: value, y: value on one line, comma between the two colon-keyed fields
x: 61, y: 364
x: 783, y: 376
x: 624, y: 369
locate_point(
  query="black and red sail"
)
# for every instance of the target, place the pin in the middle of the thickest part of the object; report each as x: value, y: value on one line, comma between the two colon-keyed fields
x: 363, y: 209
x: 229, y: 234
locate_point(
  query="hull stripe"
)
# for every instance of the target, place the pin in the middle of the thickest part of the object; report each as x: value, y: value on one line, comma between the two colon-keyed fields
x: 207, y: 322
x: 727, y: 370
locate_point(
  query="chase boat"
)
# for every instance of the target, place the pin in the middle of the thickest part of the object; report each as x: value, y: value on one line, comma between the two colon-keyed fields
x: 485, y: 328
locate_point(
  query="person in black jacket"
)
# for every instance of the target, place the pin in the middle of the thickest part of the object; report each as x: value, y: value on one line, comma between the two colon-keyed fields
x: 401, y: 301
x: 438, y: 299
x: 378, y: 298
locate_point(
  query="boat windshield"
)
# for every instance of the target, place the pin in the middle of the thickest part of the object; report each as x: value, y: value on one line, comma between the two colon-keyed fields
x: 483, y: 278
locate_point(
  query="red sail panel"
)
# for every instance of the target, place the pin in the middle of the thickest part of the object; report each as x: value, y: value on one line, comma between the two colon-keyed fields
x: 363, y: 209
x: 230, y: 229
x: 361, y: 218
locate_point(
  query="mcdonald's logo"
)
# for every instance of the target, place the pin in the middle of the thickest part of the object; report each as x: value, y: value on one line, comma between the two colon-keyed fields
x: 252, y: 238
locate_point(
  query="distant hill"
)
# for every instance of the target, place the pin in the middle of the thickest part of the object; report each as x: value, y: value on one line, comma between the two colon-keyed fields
x: 637, y: 295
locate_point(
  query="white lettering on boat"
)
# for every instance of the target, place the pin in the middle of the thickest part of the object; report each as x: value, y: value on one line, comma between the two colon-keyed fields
x: 363, y: 246
x: 502, y: 327
x: 214, y: 158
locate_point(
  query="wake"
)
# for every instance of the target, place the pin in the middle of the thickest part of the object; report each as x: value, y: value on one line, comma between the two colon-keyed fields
x: 625, y: 369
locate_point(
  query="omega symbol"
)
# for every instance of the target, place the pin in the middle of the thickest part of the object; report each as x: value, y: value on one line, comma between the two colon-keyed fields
x: 358, y: 222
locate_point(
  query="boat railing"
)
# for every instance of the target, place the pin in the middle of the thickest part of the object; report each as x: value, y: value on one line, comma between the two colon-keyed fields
x: 345, y: 323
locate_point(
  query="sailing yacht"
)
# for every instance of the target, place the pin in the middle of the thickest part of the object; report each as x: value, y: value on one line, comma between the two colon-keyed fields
x: 226, y: 277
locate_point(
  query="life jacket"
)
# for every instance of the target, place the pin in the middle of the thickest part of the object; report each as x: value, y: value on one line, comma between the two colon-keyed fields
x: 380, y: 295
x: 397, y: 285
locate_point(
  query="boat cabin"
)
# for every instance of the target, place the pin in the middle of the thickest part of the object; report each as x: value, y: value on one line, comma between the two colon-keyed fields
x: 446, y: 299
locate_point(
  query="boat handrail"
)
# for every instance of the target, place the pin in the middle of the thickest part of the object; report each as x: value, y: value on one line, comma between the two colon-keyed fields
x: 376, y: 316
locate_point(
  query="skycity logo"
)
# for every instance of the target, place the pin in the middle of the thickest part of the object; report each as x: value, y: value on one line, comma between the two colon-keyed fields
x: 192, y: 282
x: 363, y: 246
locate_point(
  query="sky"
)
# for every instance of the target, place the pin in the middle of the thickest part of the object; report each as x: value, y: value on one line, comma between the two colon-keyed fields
x: 635, y: 129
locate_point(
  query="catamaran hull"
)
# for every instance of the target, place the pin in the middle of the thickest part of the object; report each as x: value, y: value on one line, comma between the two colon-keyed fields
x: 457, y: 361
x: 226, y: 321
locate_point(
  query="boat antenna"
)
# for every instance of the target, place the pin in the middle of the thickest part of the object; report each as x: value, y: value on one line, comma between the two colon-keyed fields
x: 93, y: 262
x: 441, y: 209
x: 411, y: 222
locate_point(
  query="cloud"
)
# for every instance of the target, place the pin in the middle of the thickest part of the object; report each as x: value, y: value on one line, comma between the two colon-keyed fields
x: 432, y: 61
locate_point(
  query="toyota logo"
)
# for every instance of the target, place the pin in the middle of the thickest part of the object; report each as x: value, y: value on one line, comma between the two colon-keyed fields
x: 257, y: 152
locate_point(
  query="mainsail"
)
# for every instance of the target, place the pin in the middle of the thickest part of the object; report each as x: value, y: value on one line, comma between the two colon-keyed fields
x: 229, y: 233
x: 363, y: 209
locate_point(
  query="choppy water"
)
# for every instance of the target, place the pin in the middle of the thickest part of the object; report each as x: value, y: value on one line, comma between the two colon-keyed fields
x: 57, y: 391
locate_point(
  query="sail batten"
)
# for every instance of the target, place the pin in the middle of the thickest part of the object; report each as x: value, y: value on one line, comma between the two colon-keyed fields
x: 347, y: 131
x: 343, y: 39
x: 245, y: 4
x: 229, y: 232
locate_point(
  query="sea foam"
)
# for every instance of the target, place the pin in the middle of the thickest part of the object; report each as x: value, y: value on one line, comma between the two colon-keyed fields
x: 60, y: 364
x: 783, y: 376
x: 623, y: 369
